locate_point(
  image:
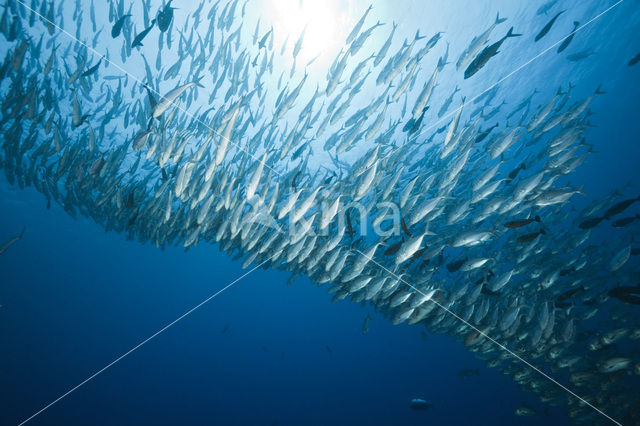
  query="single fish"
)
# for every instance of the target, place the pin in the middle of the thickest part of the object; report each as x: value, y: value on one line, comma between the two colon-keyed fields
x: 619, y: 207
x: 419, y: 404
x: 519, y: 223
x: 12, y: 241
x: 93, y: 69
x: 590, y: 223
x: 137, y: 41
x: 117, y: 27
x: 165, y: 16
x: 547, y: 27
x: 486, y: 54
x: 568, y: 39
x: 542, y: 10
x: 626, y: 294
x: 167, y: 100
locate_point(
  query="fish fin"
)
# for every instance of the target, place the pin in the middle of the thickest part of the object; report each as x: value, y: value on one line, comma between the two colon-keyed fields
x: 197, y: 82
x: 498, y: 19
x: 24, y: 228
x: 537, y: 218
x: 511, y: 34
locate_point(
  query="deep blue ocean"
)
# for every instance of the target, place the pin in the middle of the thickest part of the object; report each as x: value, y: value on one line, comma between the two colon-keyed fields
x: 74, y: 298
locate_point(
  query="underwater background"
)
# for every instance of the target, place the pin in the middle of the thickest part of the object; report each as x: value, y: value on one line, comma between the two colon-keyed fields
x: 268, y: 351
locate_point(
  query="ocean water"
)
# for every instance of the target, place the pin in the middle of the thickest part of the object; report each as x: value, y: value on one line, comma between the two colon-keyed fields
x: 270, y: 350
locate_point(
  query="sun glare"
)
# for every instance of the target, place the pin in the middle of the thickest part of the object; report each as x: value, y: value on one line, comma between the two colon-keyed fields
x: 323, y: 23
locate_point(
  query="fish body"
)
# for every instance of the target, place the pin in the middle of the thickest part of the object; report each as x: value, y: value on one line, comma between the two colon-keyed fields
x: 476, y: 45
x: 419, y: 404
x: 167, y: 100
x: 12, y: 241
x: 486, y: 54
x: 137, y: 41
x: 164, y: 17
x: 548, y: 26
x: 519, y: 223
x: 569, y: 38
x: 117, y: 27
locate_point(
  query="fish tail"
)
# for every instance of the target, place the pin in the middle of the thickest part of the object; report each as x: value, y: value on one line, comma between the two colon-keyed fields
x: 498, y: 19
x: 24, y: 228
x: 418, y: 36
x: 599, y: 90
x: 511, y: 34
x: 197, y: 81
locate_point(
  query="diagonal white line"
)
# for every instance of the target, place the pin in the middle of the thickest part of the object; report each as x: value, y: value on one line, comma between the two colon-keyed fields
x: 64, y: 395
x: 136, y: 79
x: 485, y: 335
x: 454, y: 111
x: 255, y: 158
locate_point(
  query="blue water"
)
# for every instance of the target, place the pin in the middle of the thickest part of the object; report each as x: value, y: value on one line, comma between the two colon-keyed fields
x: 75, y: 298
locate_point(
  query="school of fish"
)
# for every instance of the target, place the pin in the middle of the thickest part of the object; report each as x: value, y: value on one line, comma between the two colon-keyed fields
x: 207, y: 149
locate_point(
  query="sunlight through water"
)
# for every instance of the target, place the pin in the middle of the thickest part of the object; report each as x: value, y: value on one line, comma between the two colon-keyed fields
x: 325, y: 25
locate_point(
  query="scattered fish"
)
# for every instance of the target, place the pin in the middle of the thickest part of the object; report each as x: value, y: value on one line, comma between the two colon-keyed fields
x: 480, y: 215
